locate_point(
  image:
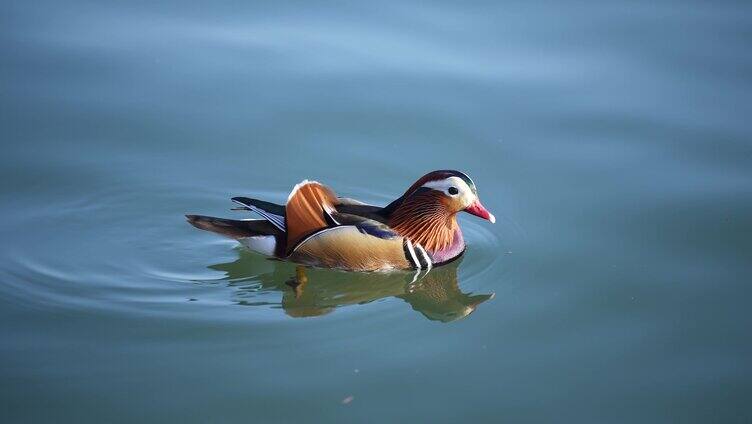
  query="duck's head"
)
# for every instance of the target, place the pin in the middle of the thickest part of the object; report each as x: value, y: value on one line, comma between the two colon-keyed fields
x: 426, y: 213
x: 453, y: 190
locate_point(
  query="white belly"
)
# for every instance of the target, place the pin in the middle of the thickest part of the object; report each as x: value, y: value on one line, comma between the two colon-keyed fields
x: 264, y: 245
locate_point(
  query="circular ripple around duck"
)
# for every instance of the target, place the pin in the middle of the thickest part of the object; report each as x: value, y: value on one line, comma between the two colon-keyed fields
x: 488, y: 249
x: 135, y: 253
x: 112, y: 249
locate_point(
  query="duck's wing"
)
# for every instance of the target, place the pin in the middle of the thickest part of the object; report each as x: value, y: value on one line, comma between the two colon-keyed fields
x: 308, y: 210
x: 354, y: 207
x: 271, y: 212
x: 365, y: 225
x: 275, y: 213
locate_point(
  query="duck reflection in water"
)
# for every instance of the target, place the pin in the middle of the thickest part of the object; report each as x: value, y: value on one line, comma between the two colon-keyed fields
x: 309, y: 292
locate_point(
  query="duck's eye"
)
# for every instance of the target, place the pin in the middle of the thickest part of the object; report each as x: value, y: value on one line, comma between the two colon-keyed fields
x: 453, y: 190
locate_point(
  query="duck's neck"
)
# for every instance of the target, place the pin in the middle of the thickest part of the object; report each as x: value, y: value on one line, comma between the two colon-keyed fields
x: 455, y: 249
x: 426, y: 223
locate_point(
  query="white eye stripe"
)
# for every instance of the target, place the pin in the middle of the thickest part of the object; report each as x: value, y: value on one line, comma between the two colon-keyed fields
x: 463, y: 190
x: 446, y: 183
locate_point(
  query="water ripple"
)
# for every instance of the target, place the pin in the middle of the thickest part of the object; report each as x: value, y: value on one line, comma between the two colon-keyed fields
x: 154, y: 258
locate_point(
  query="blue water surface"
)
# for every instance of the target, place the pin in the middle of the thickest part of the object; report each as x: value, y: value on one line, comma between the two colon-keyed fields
x: 611, y: 139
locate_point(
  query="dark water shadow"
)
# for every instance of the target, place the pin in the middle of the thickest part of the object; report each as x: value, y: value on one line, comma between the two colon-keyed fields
x: 310, y: 292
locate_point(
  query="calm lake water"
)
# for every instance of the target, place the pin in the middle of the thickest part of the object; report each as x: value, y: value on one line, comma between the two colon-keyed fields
x: 613, y: 141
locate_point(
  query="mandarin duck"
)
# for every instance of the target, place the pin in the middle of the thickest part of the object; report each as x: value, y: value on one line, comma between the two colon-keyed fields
x: 315, y: 227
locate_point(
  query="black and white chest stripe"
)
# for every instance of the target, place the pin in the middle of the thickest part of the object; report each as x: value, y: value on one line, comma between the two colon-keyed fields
x: 416, y: 255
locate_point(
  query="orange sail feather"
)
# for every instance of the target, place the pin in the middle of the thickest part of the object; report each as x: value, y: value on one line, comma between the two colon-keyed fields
x: 306, y: 211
